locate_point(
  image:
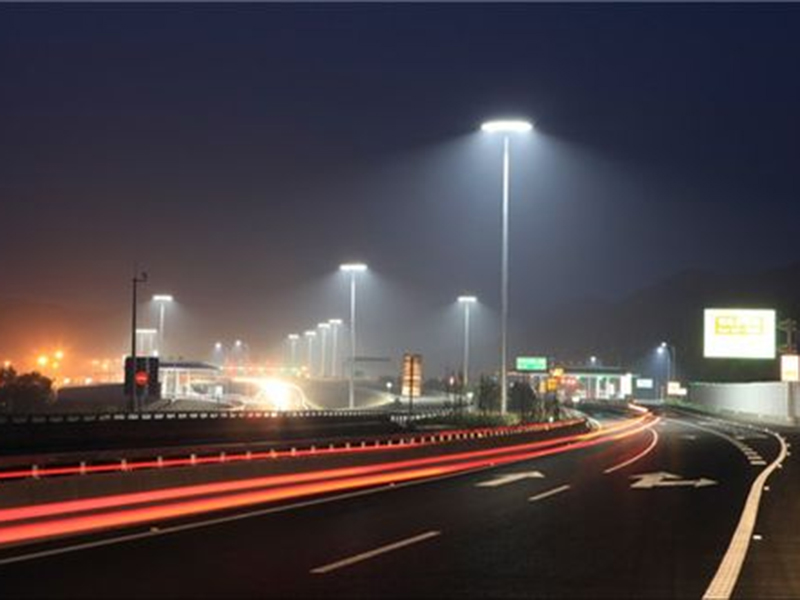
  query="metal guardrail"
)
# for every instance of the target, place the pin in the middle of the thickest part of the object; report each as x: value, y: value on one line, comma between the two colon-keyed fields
x: 183, y: 415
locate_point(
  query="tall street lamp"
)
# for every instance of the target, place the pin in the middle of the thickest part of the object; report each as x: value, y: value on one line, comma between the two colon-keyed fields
x: 293, y: 337
x: 335, y: 324
x: 506, y: 128
x: 352, y: 269
x: 310, y: 335
x: 161, y: 300
x: 466, y: 302
x: 671, y: 356
x: 323, y: 364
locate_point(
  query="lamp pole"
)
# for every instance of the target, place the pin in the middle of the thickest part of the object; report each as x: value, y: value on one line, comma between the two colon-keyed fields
x: 506, y: 128
x: 310, y: 335
x: 672, y: 358
x: 293, y: 337
x: 323, y: 363
x: 135, y: 281
x: 466, y: 301
x: 335, y: 323
x: 162, y: 300
x: 352, y: 269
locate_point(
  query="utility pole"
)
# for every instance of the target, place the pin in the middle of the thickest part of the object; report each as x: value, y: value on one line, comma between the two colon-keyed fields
x: 137, y: 279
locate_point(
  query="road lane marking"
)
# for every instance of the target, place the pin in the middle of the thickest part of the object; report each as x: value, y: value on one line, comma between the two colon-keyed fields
x: 548, y: 493
x: 647, y: 481
x: 642, y: 454
x: 724, y: 581
x: 351, y: 560
x: 509, y: 478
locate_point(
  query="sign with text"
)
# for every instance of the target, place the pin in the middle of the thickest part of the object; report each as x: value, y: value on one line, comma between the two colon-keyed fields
x: 412, y: 375
x: 531, y: 363
x: 644, y: 383
x: 739, y: 333
x: 790, y: 367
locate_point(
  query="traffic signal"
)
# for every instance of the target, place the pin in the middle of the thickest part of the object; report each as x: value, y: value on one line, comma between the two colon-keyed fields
x: 144, y: 377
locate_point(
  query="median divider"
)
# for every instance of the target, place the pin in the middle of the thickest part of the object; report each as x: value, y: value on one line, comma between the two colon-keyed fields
x: 195, y: 458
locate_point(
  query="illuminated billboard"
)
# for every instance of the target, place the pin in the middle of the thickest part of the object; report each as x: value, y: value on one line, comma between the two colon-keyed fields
x: 790, y: 367
x: 739, y: 333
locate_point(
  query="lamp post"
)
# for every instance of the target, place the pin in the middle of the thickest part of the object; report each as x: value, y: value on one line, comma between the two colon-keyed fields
x: 671, y: 357
x: 161, y: 300
x: 466, y: 302
x: 310, y: 335
x: 335, y: 324
x: 218, y: 354
x: 146, y: 341
x: 506, y: 128
x: 323, y: 364
x: 352, y: 269
x: 293, y: 337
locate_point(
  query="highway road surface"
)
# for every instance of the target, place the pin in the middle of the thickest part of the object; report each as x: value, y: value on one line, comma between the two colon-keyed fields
x: 688, y: 507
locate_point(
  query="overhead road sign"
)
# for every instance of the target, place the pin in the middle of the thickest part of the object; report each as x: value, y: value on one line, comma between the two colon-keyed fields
x: 531, y: 363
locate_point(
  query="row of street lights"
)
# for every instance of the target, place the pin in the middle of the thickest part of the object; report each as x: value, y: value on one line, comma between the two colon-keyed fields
x: 353, y: 270
x: 331, y: 326
x: 505, y: 128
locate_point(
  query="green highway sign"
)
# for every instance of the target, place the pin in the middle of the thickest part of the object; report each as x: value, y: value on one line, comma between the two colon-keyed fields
x: 531, y: 363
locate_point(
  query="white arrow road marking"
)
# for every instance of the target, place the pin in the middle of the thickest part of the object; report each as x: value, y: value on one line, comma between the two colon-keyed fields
x: 689, y: 436
x: 664, y: 479
x: 509, y: 478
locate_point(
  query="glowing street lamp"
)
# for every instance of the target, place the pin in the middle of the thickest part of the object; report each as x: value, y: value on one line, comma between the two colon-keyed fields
x: 506, y: 128
x: 310, y: 335
x: 352, y: 269
x: 466, y: 302
x: 671, y: 357
x: 161, y: 300
x: 293, y: 337
x: 335, y: 324
x: 146, y: 340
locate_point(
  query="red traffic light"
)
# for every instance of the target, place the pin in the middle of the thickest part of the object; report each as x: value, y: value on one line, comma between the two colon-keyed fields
x: 141, y: 378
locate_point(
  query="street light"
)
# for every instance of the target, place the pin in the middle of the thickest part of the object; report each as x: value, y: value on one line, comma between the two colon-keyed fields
x: 161, y: 300
x: 671, y: 356
x: 335, y: 324
x: 293, y: 337
x: 505, y: 128
x: 323, y: 365
x: 310, y: 335
x: 353, y: 269
x: 466, y: 302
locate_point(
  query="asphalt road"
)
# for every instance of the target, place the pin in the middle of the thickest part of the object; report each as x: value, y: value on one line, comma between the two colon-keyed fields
x: 558, y: 526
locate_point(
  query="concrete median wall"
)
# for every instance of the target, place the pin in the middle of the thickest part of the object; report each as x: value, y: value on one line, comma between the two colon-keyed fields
x: 768, y: 401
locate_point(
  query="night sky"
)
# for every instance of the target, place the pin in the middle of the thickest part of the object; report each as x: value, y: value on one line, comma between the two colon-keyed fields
x: 240, y: 153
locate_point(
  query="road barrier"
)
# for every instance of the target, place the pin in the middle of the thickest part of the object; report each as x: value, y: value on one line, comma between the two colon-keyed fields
x: 196, y: 458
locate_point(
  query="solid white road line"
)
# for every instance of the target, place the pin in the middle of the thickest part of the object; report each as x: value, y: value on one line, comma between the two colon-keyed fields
x: 549, y: 493
x: 727, y: 574
x: 642, y: 454
x: 509, y: 478
x: 346, y: 562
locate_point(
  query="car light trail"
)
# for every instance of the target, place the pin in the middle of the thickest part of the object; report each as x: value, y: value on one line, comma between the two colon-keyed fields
x: 392, y: 473
x: 365, y: 447
x: 104, y: 502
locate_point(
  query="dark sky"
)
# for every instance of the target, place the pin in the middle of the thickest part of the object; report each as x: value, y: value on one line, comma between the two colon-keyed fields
x: 240, y: 153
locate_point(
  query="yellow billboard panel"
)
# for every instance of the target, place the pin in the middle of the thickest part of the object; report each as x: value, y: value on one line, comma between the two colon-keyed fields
x: 739, y: 333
